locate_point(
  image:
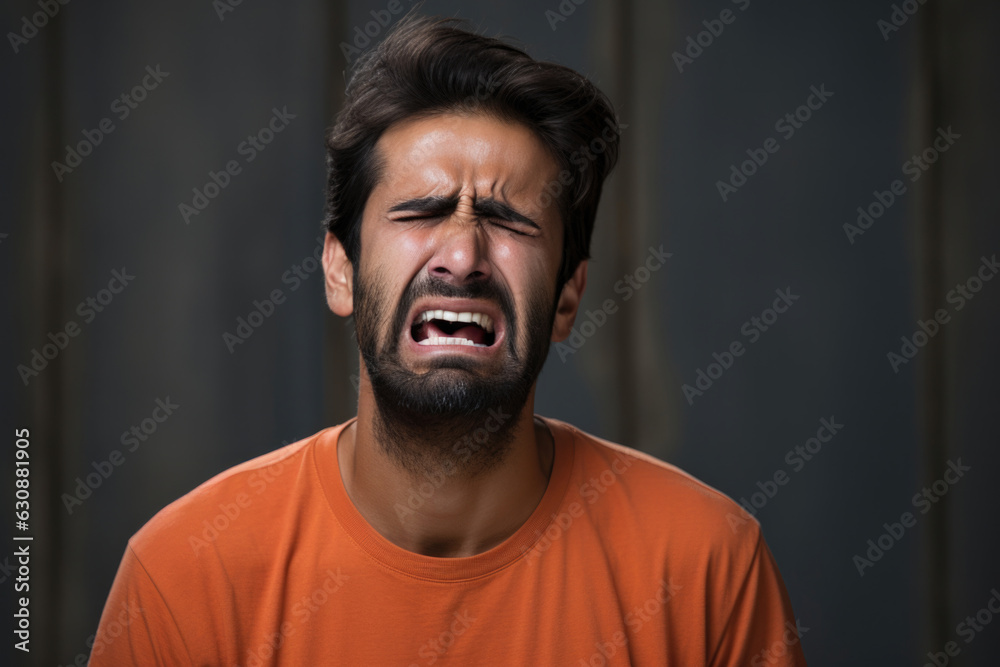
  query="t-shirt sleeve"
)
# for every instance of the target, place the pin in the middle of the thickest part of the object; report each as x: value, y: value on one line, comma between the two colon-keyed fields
x: 761, y: 628
x: 137, y: 627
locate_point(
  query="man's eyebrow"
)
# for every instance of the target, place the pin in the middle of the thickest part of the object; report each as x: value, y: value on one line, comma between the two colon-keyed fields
x: 492, y: 208
x: 437, y: 204
x: 489, y: 207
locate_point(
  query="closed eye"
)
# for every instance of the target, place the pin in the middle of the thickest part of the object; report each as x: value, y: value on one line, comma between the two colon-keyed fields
x: 509, y: 226
x: 412, y: 218
x: 488, y: 209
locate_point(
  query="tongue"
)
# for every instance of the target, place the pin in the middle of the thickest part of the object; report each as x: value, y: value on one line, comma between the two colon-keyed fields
x: 471, y: 332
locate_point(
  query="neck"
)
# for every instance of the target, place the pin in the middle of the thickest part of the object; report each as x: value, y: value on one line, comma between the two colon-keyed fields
x: 452, y: 512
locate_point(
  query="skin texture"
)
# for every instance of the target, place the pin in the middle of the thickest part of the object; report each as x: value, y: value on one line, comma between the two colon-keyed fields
x: 472, y: 158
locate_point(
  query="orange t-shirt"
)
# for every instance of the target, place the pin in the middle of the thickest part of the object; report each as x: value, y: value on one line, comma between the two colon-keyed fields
x: 626, y: 560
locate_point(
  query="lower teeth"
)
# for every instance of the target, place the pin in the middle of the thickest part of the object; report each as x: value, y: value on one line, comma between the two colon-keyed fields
x: 449, y: 341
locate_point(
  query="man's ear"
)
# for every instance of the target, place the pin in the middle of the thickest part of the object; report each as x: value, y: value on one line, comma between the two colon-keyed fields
x: 339, y: 276
x: 569, y: 302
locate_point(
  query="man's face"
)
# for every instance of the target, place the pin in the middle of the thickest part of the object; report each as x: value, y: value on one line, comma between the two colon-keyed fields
x: 455, y: 290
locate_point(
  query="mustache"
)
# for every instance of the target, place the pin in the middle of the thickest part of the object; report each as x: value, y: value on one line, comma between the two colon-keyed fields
x: 485, y: 290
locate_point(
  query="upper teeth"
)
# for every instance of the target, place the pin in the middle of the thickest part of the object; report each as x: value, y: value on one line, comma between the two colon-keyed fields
x: 483, y: 320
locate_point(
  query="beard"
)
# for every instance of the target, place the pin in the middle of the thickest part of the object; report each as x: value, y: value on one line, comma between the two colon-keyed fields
x: 440, y: 420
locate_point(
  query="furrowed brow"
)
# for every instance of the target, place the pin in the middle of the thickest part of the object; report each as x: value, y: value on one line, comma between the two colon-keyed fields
x: 491, y: 208
x: 437, y: 205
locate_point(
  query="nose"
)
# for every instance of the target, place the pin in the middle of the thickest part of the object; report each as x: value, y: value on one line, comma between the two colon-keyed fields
x: 461, y: 250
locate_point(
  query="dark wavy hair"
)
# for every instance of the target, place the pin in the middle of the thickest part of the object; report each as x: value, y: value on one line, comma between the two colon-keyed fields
x: 427, y: 66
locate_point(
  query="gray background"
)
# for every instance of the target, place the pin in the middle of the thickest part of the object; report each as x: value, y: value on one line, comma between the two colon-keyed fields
x: 826, y: 357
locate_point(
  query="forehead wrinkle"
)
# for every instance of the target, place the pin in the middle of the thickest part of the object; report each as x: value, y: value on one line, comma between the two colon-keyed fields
x: 439, y: 161
x: 501, y: 187
x: 494, y: 174
x: 429, y: 180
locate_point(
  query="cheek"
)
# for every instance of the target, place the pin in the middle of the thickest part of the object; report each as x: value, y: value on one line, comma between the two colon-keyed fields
x: 532, y: 258
x: 530, y: 274
x: 393, y: 256
x: 408, y: 248
x: 537, y: 269
x: 402, y: 247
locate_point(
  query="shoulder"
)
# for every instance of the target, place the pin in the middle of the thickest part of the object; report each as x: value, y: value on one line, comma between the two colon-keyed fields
x: 634, y: 493
x: 230, y: 510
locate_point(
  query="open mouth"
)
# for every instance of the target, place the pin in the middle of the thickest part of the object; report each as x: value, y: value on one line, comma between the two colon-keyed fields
x: 446, y: 327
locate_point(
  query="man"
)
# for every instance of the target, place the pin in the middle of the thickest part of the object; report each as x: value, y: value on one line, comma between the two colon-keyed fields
x: 446, y: 523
